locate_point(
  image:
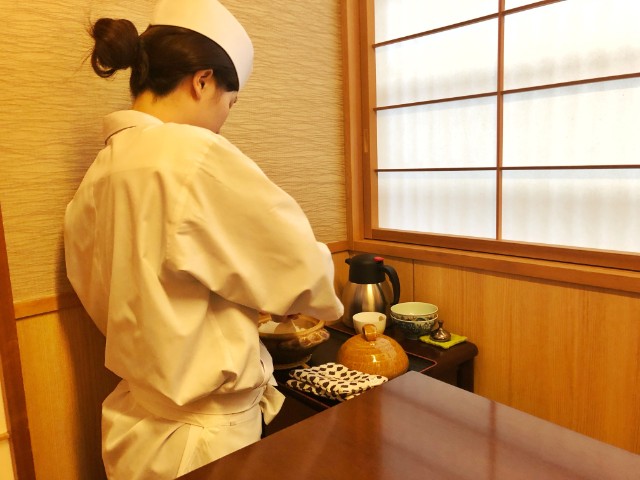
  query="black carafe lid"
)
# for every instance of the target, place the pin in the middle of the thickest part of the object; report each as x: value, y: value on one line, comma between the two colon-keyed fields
x: 366, y: 268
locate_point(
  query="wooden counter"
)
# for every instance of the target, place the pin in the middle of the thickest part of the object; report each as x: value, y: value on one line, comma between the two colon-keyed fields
x: 417, y: 427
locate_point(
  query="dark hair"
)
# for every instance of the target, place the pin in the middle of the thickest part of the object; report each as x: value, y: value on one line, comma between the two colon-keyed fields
x: 159, y: 58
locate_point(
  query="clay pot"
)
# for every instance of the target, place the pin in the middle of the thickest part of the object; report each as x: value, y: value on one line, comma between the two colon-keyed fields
x: 373, y: 353
x: 292, y: 343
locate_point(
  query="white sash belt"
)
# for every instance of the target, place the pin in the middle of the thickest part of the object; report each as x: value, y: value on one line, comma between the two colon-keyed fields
x: 208, y: 412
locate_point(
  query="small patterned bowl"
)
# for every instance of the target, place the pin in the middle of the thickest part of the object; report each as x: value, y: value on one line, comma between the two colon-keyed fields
x: 414, y: 329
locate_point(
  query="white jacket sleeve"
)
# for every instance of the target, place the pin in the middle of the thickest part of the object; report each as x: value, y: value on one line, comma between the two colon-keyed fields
x: 250, y: 242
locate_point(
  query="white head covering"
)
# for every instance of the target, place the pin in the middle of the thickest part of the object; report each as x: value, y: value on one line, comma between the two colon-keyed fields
x: 213, y: 20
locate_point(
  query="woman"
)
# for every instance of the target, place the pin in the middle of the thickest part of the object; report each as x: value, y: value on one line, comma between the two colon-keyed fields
x: 175, y: 241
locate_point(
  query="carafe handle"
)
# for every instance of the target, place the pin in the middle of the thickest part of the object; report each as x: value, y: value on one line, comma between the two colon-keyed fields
x: 395, y: 282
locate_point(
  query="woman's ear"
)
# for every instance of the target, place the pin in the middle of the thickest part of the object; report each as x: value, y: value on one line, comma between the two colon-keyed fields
x: 202, y: 79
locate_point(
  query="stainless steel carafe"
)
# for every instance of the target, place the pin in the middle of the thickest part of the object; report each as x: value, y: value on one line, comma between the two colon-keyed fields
x: 367, y: 289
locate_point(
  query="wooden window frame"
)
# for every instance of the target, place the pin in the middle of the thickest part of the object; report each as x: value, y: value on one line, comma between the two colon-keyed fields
x: 611, y: 270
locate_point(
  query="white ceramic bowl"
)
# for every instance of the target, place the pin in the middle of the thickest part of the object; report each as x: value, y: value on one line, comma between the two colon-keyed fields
x: 419, y: 311
x: 377, y: 319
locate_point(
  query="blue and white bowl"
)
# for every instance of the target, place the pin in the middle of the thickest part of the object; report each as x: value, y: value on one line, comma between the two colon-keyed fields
x: 415, y: 319
x: 414, y: 329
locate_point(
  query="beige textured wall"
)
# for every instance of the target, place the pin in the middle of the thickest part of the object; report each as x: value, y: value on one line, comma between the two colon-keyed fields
x: 288, y: 119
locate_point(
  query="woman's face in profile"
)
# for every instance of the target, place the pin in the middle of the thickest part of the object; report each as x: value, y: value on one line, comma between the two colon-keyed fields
x: 215, y: 106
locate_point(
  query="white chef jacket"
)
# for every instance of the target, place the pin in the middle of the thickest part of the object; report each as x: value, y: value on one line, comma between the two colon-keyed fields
x: 174, y: 241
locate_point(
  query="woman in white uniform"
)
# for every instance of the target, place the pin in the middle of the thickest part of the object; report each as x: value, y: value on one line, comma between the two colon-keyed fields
x: 175, y: 241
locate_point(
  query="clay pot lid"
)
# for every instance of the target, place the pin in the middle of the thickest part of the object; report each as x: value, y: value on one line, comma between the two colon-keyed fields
x: 301, y: 325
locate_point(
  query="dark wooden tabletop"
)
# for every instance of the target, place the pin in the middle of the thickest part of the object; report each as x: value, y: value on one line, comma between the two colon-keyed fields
x: 417, y: 427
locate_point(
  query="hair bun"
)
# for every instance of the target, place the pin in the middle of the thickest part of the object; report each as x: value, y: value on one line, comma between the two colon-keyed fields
x: 117, y: 46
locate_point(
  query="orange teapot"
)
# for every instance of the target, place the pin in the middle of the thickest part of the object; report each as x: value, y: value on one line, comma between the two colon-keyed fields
x: 373, y: 353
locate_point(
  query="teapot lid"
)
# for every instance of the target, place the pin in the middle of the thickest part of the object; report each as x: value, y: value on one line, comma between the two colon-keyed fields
x: 373, y: 353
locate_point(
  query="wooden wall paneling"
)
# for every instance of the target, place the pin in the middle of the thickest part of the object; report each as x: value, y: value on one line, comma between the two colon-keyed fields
x: 404, y: 268
x: 561, y: 352
x: 467, y: 306
x: 607, y: 367
x: 65, y: 383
